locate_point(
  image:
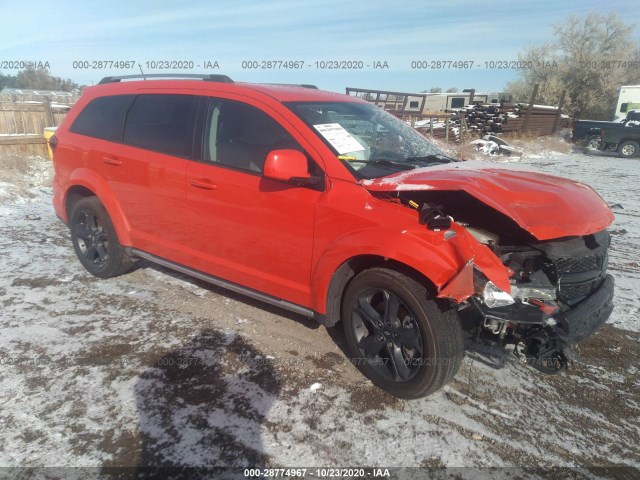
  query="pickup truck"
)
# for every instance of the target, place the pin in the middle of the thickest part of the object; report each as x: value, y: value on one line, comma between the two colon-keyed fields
x: 622, y: 137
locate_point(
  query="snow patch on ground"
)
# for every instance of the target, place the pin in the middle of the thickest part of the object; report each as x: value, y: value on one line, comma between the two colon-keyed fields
x: 119, y: 372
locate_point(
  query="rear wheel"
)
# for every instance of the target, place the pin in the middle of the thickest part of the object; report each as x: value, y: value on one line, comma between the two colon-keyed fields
x: 594, y: 142
x: 95, y: 240
x: 398, y: 336
x: 629, y: 148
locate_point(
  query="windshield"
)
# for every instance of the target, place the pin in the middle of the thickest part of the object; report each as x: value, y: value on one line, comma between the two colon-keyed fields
x: 371, y: 142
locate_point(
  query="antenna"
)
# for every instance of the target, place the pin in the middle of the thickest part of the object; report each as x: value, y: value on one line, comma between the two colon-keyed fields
x: 143, y: 76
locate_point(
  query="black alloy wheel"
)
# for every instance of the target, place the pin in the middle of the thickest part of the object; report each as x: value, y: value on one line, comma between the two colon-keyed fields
x: 398, y: 335
x: 95, y: 240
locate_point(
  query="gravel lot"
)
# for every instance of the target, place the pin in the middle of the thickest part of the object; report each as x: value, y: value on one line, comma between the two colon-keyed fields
x: 154, y: 368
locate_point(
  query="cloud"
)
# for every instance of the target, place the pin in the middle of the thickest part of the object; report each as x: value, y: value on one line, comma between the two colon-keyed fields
x: 231, y: 32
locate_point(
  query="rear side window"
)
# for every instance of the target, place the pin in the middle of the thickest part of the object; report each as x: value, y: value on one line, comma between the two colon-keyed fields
x: 103, y: 117
x: 163, y: 123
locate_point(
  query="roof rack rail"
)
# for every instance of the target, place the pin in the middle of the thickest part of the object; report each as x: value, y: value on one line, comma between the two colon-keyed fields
x: 206, y: 78
x: 303, y: 85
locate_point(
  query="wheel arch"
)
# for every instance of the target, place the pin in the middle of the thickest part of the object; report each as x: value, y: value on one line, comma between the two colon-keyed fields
x: 634, y: 140
x: 348, y: 269
x: 85, y: 183
x: 352, y: 267
x: 75, y: 193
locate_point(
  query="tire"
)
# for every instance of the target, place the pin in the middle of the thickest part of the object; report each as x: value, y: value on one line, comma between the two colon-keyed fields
x: 95, y: 240
x: 629, y: 149
x: 411, y: 353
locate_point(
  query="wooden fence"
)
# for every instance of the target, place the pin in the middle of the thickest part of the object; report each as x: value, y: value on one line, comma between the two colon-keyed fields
x: 22, y: 126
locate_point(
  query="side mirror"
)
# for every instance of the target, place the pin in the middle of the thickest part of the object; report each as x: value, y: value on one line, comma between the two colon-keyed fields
x: 289, y: 166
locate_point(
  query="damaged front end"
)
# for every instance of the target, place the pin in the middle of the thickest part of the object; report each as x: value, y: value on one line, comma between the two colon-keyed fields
x: 541, y: 296
x: 560, y: 295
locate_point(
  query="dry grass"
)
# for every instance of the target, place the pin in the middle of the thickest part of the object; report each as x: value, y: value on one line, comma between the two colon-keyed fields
x: 466, y: 151
x: 527, y: 143
x: 19, y: 174
x: 462, y: 150
x: 13, y: 168
x: 550, y: 143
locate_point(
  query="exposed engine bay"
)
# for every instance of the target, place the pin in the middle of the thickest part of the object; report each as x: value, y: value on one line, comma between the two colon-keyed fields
x: 560, y: 292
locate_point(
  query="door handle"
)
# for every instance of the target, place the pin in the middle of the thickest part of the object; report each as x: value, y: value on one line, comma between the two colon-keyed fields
x: 203, y: 183
x: 111, y: 161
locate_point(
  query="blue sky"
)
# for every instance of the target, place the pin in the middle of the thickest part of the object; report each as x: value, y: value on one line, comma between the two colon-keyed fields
x: 397, y: 32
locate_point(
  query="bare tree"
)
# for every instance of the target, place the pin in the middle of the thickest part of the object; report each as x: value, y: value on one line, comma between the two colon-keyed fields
x: 452, y: 90
x: 590, y: 57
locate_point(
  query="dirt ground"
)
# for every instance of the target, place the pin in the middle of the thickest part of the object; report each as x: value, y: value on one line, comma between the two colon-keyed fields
x: 154, y: 368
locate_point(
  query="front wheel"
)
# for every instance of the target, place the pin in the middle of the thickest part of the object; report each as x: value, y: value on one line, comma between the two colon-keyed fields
x: 629, y: 148
x: 398, y: 336
x: 95, y: 240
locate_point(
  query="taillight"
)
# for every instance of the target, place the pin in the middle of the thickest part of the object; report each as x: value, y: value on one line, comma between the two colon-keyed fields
x: 53, y: 143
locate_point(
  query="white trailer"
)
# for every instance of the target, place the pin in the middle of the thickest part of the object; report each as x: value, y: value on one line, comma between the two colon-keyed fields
x: 423, y: 102
x: 445, y: 101
x: 629, y: 99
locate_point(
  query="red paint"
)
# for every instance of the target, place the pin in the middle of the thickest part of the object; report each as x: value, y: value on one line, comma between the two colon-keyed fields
x: 288, y: 240
x: 546, y: 206
x: 460, y: 287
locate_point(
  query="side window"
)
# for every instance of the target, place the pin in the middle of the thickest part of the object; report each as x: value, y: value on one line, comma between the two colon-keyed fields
x: 103, y: 117
x: 623, y: 107
x: 240, y: 136
x: 163, y: 123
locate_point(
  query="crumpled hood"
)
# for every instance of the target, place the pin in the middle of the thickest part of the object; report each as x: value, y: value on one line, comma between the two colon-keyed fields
x: 544, y: 205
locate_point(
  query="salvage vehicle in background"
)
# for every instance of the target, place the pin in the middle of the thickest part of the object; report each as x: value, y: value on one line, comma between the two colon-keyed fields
x: 622, y: 136
x: 326, y: 205
x: 628, y: 99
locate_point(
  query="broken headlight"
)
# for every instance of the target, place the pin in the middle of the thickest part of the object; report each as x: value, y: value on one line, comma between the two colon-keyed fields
x: 538, y: 292
x: 494, y: 297
x: 491, y: 295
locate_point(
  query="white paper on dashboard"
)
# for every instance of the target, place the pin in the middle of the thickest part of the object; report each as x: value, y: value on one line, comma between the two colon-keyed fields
x: 339, y: 138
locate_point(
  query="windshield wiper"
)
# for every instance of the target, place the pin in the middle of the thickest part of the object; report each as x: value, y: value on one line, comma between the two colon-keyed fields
x: 385, y: 162
x: 433, y: 158
x: 407, y: 163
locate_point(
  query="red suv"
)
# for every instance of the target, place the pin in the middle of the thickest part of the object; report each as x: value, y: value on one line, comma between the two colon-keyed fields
x: 325, y: 205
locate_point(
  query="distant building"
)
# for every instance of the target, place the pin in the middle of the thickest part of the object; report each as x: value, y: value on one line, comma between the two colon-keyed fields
x: 404, y: 102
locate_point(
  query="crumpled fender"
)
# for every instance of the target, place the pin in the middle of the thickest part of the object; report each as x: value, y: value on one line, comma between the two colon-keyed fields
x: 437, y: 258
x: 471, y: 252
x: 425, y: 251
x: 87, y: 178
